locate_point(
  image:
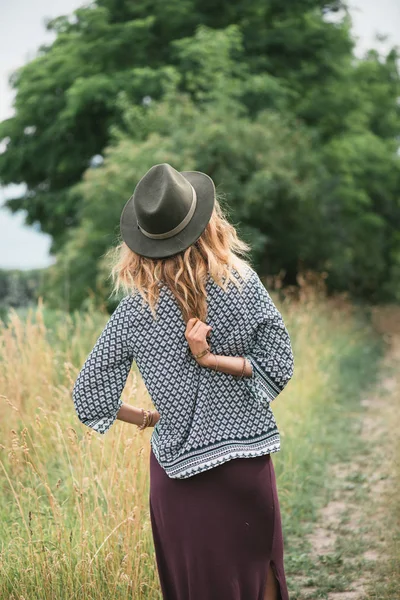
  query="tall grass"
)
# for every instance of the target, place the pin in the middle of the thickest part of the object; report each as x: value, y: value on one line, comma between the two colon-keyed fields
x: 74, y: 519
x: 337, y: 358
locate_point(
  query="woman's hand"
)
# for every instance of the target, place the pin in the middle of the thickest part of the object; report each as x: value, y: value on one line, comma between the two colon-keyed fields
x: 196, y: 334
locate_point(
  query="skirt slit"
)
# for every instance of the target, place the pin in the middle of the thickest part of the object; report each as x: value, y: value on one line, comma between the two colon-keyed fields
x: 277, y: 553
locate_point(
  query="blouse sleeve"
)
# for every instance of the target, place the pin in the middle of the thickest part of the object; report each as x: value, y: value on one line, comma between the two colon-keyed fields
x: 271, y: 357
x: 99, y: 385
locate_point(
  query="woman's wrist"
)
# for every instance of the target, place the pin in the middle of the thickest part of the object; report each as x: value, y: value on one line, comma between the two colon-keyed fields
x: 150, y: 418
x: 157, y: 417
x: 208, y: 360
x: 134, y: 415
x: 154, y: 418
x: 231, y: 365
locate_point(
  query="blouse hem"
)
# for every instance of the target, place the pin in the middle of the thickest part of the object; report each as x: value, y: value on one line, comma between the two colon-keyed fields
x: 228, y: 453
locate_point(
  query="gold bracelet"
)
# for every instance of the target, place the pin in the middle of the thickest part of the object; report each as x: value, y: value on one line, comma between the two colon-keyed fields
x: 202, y: 353
x: 216, y: 361
x: 143, y: 418
x: 244, y: 366
x: 149, y: 419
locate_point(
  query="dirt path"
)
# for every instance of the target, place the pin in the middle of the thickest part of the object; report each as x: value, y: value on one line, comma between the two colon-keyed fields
x: 353, y: 543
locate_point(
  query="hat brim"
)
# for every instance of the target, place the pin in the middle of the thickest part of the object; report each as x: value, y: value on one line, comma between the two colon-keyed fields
x: 161, y: 248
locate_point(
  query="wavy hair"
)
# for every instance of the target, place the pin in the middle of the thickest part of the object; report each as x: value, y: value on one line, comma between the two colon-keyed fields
x: 215, y: 253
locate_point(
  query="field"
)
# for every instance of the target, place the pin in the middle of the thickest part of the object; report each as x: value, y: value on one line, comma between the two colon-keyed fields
x: 74, y: 519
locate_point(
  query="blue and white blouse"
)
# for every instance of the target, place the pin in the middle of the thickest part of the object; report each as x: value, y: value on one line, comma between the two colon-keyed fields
x: 207, y: 417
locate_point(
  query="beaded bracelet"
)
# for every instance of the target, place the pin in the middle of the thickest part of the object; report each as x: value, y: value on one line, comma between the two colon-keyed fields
x: 145, y: 420
x: 148, y: 419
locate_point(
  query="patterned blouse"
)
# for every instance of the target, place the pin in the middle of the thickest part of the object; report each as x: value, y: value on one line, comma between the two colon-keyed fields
x: 207, y: 417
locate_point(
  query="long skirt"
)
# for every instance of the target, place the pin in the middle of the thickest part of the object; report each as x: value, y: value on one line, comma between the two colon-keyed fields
x: 215, y: 533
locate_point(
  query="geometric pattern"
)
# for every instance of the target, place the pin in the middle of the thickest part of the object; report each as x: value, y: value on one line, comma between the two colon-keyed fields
x: 207, y: 417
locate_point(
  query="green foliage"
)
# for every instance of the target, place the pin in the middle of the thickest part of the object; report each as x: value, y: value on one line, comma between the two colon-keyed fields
x: 267, y: 166
x: 19, y: 288
x: 266, y: 97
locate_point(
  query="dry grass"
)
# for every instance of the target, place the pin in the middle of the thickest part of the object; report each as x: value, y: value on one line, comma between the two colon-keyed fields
x: 74, y: 519
x: 73, y: 504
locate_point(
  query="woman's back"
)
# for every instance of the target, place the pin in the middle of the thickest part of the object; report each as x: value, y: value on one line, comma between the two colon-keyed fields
x: 207, y: 416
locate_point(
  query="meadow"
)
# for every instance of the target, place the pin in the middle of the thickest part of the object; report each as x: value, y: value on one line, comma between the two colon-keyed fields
x: 74, y: 518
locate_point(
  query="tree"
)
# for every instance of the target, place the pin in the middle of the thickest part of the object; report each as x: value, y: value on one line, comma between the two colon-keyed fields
x: 266, y: 97
x: 66, y: 97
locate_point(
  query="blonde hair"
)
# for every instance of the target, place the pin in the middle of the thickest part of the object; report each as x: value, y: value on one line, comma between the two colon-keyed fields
x: 215, y: 252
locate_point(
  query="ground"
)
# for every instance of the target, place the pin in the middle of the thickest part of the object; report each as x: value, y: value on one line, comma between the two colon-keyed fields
x: 353, y: 549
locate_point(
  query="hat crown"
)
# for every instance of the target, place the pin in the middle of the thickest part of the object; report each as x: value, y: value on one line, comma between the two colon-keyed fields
x: 167, y: 212
x: 163, y: 199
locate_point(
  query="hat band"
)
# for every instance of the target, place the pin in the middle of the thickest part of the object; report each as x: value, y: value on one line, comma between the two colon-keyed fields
x: 179, y: 227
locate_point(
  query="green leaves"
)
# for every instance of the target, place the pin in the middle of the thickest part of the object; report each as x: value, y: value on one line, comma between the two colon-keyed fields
x: 267, y: 98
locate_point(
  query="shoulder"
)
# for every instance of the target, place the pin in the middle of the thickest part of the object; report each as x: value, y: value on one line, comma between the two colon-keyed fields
x: 256, y: 295
x: 124, y: 304
x: 244, y: 274
x: 252, y: 283
x: 124, y: 310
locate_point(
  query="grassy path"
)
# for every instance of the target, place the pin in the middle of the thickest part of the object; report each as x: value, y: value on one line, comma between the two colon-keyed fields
x: 352, y: 549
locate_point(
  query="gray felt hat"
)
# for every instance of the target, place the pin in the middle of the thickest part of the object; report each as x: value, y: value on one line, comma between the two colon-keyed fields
x: 167, y: 212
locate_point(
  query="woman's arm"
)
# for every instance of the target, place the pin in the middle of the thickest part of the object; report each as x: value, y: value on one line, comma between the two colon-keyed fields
x: 269, y: 363
x: 133, y: 415
x: 196, y: 334
x: 233, y: 365
x: 99, y: 385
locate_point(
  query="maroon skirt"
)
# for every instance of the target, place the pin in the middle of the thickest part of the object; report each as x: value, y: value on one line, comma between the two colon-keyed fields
x: 216, y: 533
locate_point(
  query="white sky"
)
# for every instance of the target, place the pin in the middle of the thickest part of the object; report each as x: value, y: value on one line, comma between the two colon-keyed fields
x: 22, y: 32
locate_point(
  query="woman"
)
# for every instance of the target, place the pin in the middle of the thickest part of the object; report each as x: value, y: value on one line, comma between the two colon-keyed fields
x: 213, y: 352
